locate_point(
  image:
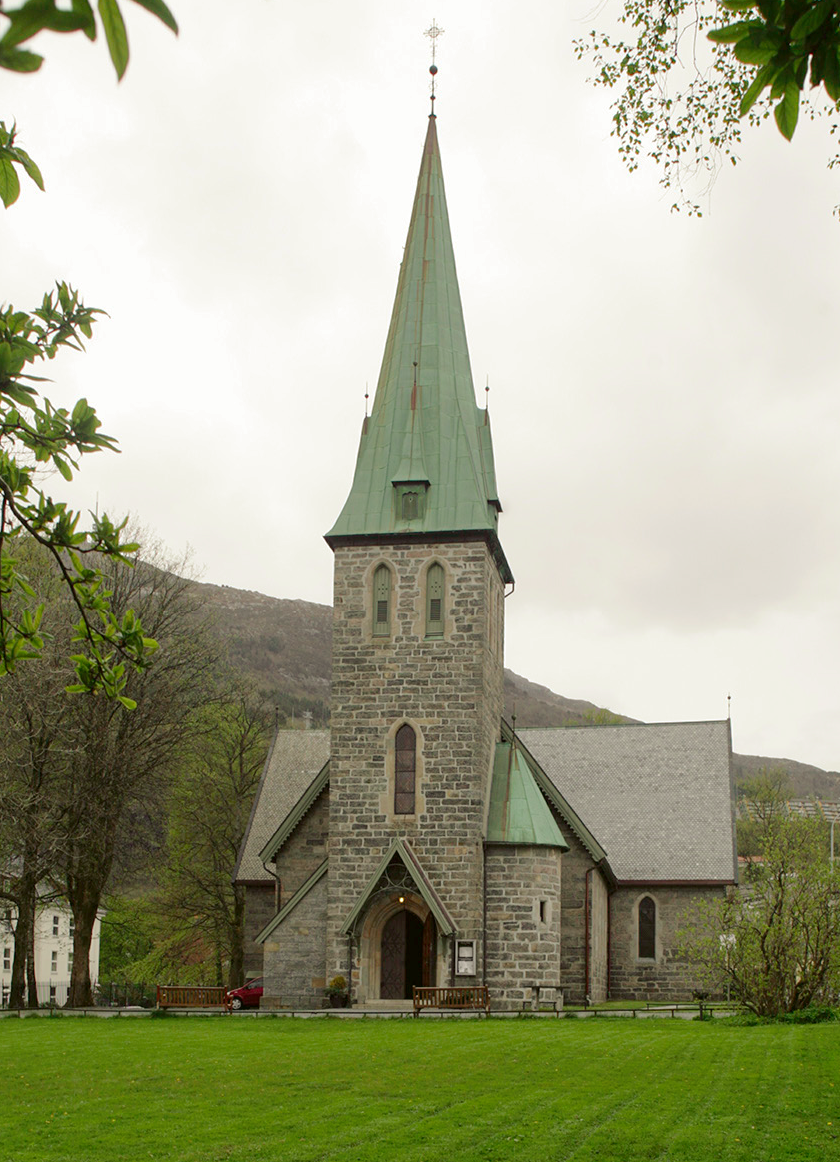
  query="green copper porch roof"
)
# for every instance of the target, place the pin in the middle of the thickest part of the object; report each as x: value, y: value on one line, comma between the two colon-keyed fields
x: 425, y: 428
x: 518, y: 810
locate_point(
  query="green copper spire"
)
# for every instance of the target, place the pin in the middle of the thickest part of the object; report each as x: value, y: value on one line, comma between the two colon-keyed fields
x: 425, y: 461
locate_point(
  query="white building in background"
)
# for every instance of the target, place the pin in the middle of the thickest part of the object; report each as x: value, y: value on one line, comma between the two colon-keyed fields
x: 53, y: 951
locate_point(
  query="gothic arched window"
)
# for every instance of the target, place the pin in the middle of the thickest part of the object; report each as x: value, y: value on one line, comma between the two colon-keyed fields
x: 647, y: 929
x: 434, y: 601
x: 382, y: 601
x: 405, y: 767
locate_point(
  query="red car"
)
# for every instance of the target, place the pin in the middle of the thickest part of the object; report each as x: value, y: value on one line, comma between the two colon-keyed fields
x: 248, y: 996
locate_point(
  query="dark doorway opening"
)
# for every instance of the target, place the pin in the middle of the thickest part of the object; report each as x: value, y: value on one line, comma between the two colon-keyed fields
x: 408, y: 948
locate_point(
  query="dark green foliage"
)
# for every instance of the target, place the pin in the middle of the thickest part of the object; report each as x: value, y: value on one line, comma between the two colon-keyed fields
x: 34, y: 16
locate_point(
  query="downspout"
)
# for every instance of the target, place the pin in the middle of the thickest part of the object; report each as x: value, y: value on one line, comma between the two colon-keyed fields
x: 277, y: 885
x: 349, y: 968
x: 609, y: 945
x: 587, y: 917
x: 484, y: 913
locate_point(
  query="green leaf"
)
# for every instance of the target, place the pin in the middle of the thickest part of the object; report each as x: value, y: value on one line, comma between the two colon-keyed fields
x: 762, y: 79
x: 115, y: 34
x: 738, y: 5
x: 787, y: 110
x: 831, y: 75
x: 31, y: 168
x: 159, y: 9
x: 18, y: 60
x: 749, y: 53
x: 83, y: 8
x: 734, y: 32
x: 811, y: 20
x: 9, y: 183
x: 63, y: 467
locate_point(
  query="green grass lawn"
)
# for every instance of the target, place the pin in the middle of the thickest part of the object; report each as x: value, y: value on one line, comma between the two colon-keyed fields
x: 399, y: 1091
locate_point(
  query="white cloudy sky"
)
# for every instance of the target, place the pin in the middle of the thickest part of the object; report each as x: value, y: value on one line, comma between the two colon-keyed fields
x: 664, y: 391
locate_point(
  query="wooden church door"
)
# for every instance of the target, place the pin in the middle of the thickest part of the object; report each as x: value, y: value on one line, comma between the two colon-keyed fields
x: 392, y: 983
x: 407, y: 955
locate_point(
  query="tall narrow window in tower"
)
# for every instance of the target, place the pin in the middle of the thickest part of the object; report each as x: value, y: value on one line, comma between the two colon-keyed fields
x: 434, y: 601
x: 405, y: 766
x: 647, y: 929
x: 382, y: 601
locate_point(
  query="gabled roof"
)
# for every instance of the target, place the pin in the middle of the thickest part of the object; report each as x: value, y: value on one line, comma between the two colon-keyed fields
x: 297, y: 813
x: 518, y: 811
x: 403, y: 850
x: 559, y: 802
x: 658, y: 796
x: 294, y: 762
x: 425, y: 428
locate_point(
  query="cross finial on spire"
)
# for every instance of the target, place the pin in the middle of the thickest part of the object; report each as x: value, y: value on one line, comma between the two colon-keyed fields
x: 433, y: 32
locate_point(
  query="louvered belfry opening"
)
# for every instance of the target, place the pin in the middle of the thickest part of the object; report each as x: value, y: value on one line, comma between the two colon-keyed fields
x: 405, y: 747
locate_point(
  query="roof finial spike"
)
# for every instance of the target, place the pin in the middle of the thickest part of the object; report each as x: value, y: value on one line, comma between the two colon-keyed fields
x: 367, y: 397
x: 433, y: 32
x: 729, y: 707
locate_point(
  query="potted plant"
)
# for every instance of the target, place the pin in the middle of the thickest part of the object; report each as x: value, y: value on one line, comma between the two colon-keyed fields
x: 336, y: 990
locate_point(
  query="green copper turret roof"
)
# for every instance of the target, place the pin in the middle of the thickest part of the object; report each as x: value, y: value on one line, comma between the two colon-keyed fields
x: 425, y: 433
x: 518, y: 810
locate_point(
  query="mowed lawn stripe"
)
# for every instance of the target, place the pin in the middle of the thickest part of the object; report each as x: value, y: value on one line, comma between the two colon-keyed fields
x: 201, y: 1090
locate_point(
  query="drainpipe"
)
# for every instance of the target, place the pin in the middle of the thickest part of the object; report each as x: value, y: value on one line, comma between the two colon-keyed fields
x: 484, y: 913
x: 349, y: 968
x: 586, y: 926
x: 609, y: 945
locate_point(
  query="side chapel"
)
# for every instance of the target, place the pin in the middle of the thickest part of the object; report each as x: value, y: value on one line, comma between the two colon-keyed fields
x: 420, y: 840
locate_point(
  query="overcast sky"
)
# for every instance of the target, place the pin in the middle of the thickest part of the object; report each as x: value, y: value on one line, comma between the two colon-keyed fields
x: 664, y: 390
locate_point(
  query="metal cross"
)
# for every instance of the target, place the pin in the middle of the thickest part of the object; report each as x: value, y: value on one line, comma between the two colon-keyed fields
x: 433, y: 32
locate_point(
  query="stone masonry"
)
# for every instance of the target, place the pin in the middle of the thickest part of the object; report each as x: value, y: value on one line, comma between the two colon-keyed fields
x: 523, y: 922
x: 668, y: 977
x: 448, y: 689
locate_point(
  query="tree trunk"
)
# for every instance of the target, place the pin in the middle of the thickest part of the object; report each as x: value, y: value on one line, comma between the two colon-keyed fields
x: 84, y: 918
x: 17, y: 986
x: 236, y: 975
x: 31, y: 982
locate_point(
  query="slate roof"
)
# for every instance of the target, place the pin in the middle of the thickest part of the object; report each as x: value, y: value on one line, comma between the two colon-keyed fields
x: 658, y: 796
x: 295, y: 759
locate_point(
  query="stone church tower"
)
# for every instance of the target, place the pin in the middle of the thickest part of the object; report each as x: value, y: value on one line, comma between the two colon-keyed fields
x: 417, y: 635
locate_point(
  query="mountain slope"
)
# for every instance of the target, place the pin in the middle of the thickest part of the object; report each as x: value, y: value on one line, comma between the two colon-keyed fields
x: 285, y: 648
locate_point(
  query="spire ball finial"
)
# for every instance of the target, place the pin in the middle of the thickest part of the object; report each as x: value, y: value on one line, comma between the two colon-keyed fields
x: 433, y: 32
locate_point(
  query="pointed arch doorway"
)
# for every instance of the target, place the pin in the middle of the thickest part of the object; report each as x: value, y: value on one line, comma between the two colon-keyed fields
x: 407, y: 954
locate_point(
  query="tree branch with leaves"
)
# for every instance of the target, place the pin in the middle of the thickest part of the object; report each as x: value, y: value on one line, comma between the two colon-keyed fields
x: 36, y: 436
x: 688, y: 74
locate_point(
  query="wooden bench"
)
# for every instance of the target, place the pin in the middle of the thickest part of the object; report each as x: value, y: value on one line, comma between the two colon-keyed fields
x: 451, y: 997
x: 170, y: 996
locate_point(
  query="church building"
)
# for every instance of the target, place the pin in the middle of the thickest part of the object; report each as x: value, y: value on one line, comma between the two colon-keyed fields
x: 421, y: 840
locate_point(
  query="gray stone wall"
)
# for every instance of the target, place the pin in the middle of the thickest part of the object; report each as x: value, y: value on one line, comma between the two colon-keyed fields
x: 667, y: 977
x: 305, y: 849
x: 295, y: 972
x: 450, y: 691
x: 260, y: 906
x: 524, y: 918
